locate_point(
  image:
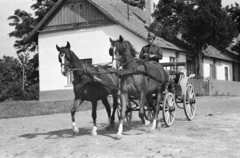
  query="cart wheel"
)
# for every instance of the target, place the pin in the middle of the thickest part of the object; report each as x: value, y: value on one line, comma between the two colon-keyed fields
x: 168, y: 109
x: 148, y: 113
x: 128, y: 115
x: 189, y: 102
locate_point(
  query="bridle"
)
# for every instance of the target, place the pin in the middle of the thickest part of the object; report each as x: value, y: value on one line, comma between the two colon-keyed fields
x: 111, y: 50
x: 66, y: 58
x: 119, y: 59
x: 70, y: 64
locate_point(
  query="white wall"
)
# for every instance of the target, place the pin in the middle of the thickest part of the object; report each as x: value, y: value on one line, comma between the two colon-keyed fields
x: 220, y: 69
x: 206, y: 67
x: 220, y: 65
x: 85, y: 43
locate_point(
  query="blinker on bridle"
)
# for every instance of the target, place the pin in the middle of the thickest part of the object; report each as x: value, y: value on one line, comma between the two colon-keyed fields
x: 111, y: 54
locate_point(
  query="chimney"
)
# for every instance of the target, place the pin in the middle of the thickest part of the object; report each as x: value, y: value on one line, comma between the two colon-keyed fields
x: 149, y: 10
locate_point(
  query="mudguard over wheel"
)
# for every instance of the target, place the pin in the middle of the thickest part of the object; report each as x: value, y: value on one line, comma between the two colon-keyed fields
x: 168, y: 109
x: 189, y: 102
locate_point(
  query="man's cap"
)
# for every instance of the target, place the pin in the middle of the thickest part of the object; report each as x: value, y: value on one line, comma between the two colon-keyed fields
x: 150, y: 36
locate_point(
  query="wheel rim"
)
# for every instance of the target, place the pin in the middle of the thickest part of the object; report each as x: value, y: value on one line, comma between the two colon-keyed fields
x: 169, y: 109
x: 149, y: 115
x: 190, y: 103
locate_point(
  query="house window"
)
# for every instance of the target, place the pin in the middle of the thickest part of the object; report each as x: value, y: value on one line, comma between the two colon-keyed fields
x: 87, y: 61
x: 172, y: 59
x: 226, y: 73
x: 190, y: 65
x: 212, y: 71
x: 70, y: 76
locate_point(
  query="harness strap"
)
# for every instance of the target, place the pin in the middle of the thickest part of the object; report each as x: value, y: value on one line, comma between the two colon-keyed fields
x: 105, y: 83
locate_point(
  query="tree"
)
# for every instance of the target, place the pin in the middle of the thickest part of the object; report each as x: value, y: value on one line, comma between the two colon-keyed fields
x: 199, y: 22
x: 24, y: 23
x: 10, y: 78
x: 234, y: 11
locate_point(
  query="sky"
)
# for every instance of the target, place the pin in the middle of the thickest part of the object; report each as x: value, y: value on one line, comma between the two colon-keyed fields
x: 7, y: 8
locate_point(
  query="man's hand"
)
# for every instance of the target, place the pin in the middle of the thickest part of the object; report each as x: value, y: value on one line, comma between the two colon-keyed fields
x: 151, y: 56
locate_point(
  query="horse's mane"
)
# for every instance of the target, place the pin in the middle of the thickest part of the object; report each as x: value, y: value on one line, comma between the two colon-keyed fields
x: 132, y: 49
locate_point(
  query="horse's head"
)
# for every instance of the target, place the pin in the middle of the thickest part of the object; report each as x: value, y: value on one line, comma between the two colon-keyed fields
x: 65, y: 58
x: 121, y: 51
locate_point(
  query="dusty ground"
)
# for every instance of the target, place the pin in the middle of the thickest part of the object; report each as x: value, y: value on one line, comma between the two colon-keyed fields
x: 214, y: 133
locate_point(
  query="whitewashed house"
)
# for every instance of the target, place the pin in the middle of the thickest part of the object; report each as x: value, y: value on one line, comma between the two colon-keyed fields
x: 87, y: 25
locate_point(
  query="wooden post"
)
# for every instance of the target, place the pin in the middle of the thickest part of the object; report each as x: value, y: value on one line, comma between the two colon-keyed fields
x: 210, y: 86
x: 23, y: 77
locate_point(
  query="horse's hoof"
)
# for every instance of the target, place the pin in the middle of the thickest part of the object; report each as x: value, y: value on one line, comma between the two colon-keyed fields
x: 75, y: 131
x: 118, y: 136
x: 93, y: 133
x: 108, y: 128
x: 147, y: 123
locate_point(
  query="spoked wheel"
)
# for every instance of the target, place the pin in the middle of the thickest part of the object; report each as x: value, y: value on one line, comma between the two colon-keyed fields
x: 189, y: 102
x: 148, y: 113
x: 168, y: 109
x: 128, y: 114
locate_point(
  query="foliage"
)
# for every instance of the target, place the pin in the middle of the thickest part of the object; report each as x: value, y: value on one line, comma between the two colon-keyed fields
x: 24, y: 23
x: 11, y: 69
x: 11, y: 81
x: 199, y: 22
x: 10, y: 73
x: 234, y: 11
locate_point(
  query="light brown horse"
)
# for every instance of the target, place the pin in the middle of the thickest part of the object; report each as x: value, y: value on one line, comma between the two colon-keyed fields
x: 87, y: 88
x: 140, y: 79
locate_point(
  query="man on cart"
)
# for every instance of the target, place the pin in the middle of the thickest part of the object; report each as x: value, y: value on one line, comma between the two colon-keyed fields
x: 151, y: 51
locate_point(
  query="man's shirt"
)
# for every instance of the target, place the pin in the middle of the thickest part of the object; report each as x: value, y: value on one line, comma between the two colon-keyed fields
x: 154, y: 50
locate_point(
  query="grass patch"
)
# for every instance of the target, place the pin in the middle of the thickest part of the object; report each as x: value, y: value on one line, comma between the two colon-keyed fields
x: 14, y: 109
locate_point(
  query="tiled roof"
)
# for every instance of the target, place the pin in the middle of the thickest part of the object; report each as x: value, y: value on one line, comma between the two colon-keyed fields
x: 116, y: 10
x: 136, y: 23
x: 212, y: 52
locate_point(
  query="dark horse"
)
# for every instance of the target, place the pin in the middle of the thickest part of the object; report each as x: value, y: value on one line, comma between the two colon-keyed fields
x: 140, y: 79
x: 87, y: 88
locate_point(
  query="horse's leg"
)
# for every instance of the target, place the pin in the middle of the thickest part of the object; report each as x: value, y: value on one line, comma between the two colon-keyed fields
x: 142, y: 102
x: 115, y: 105
x: 156, y: 108
x: 94, y: 117
x: 124, y: 99
x: 150, y: 103
x: 76, y: 104
x: 108, y: 109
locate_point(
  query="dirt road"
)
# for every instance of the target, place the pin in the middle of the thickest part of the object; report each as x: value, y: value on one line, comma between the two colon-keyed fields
x: 214, y: 133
